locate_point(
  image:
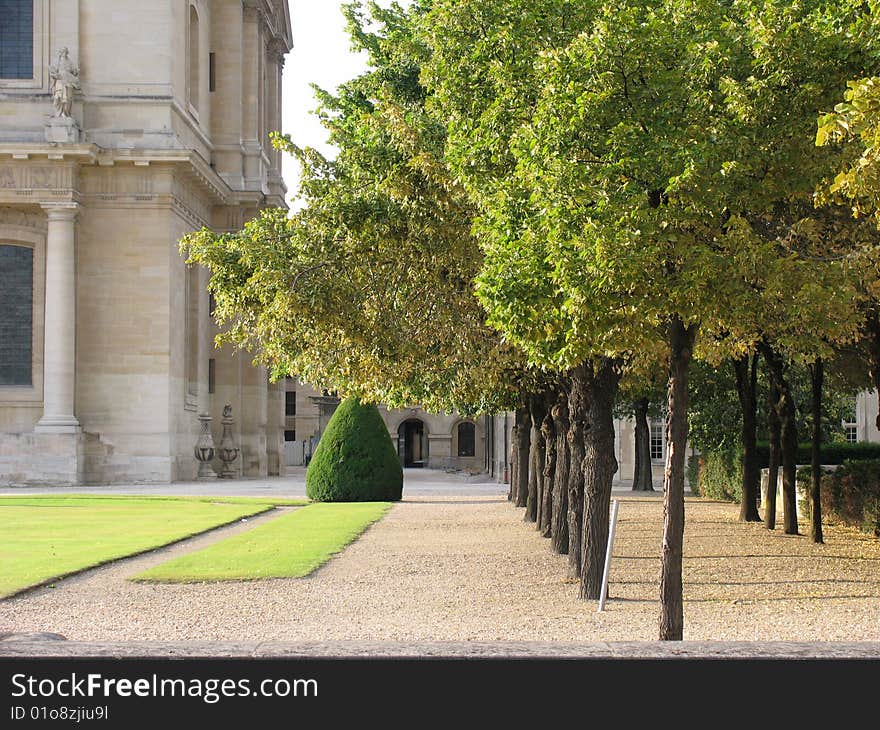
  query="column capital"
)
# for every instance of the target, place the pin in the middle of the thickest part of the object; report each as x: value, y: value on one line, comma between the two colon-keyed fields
x: 65, y: 211
x: 276, y: 50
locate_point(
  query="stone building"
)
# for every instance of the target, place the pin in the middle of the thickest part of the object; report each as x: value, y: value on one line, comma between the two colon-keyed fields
x: 446, y: 441
x: 423, y: 440
x: 123, y: 126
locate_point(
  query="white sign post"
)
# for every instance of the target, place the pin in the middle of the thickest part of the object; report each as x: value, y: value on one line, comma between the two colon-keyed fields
x: 604, y: 594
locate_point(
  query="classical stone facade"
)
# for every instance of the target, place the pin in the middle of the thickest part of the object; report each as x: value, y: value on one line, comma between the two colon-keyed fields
x: 124, y: 126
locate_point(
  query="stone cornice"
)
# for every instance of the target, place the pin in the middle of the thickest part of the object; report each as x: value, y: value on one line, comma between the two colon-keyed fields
x: 27, y: 151
x: 274, y: 15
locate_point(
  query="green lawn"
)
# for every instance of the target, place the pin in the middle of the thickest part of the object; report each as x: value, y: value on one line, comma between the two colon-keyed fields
x: 48, y: 536
x: 289, y: 546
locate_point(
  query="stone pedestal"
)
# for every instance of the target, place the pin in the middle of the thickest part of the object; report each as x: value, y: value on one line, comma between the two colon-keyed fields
x: 765, y: 479
x: 62, y: 130
x: 42, y: 459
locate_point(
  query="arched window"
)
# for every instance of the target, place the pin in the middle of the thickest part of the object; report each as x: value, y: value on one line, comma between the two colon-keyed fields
x: 193, y: 58
x: 466, y: 439
x: 16, y: 39
x: 16, y: 314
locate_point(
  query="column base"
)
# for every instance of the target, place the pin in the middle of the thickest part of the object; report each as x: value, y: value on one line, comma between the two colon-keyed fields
x: 58, y: 424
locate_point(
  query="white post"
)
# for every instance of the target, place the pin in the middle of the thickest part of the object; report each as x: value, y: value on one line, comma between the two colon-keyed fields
x: 604, y: 594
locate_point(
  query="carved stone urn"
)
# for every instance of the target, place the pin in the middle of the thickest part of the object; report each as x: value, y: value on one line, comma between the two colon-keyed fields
x: 204, y: 450
x: 228, y: 451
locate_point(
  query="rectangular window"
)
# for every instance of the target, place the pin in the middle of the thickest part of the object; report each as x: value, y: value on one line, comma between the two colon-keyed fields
x: 851, y: 433
x: 290, y: 403
x: 290, y: 435
x: 212, y: 78
x: 16, y: 39
x: 657, y: 439
x: 16, y: 314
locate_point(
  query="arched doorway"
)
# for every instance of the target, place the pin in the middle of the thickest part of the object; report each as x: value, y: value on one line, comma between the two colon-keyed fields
x: 412, y: 443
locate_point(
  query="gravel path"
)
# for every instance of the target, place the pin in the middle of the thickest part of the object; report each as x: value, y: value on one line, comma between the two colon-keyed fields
x: 468, y: 568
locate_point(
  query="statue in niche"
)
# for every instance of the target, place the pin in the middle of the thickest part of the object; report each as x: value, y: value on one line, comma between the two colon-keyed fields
x: 65, y: 81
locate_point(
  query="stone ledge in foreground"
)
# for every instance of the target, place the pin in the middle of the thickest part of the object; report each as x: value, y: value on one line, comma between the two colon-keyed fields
x: 27, y: 647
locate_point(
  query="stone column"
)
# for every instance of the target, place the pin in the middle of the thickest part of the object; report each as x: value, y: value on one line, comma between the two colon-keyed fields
x: 253, y: 57
x: 59, y: 362
x: 254, y: 410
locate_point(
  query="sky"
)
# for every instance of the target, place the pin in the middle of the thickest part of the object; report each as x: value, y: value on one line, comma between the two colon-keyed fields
x: 321, y: 54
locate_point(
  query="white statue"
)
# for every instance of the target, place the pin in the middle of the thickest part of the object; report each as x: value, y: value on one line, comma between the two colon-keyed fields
x: 65, y: 81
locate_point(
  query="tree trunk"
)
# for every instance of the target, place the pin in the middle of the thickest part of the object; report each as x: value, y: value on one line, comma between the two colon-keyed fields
x: 681, y: 343
x: 600, y: 466
x: 522, y: 442
x: 578, y: 423
x: 548, y: 431
x: 559, y: 518
x: 816, y: 377
x: 536, y: 470
x: 746, y: 369
x: 642, y: 477
x: 789, y: 442
x: 514, y: 459
x: 774, y: 428
x: 785, y: 412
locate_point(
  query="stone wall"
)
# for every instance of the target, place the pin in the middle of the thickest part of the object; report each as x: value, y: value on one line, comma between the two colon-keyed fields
x: 35, y: 459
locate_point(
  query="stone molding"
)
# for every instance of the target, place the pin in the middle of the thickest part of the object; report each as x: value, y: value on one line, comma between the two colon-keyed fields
x: 20, y: 218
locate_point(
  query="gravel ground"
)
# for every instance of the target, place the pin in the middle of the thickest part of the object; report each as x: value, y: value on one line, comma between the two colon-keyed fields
x: 467, y: 568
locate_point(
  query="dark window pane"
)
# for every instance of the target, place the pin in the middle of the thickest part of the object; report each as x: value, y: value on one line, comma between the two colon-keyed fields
x: 290, y: 435
x: 290, y: 403
x: 466, y: 439
x: 212, y: 375
x: 16, y: 314
x: 16, y: 39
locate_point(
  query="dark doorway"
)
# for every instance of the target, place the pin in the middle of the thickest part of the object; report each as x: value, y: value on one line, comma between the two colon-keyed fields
x: 412, y: 445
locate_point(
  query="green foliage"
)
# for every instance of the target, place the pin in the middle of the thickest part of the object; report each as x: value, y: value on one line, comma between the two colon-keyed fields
x: 851, y: 495
x: 612, y: 146
x: 831, y: 453
x: 720, y: 474
x: 693, y: 473
x: 714, y: 415
x: 355, y: 460
x: 368, y: 289
x: 856, y: 120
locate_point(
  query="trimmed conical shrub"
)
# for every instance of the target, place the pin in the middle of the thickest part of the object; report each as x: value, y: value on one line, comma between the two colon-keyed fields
x: 355, y: 460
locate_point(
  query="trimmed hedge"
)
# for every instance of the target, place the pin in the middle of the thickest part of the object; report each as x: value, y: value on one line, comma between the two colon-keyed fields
x: 718, y: 474
x: 832, y: 453
x: 850, y: 494
x: 355, y: 460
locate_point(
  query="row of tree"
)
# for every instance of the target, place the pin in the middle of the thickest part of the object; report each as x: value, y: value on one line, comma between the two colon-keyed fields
x: 538, y: 205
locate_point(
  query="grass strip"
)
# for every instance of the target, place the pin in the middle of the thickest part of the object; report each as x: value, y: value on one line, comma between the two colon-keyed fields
x: 290, y: 546
x: 46, y: 500
x: 44, y: 538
